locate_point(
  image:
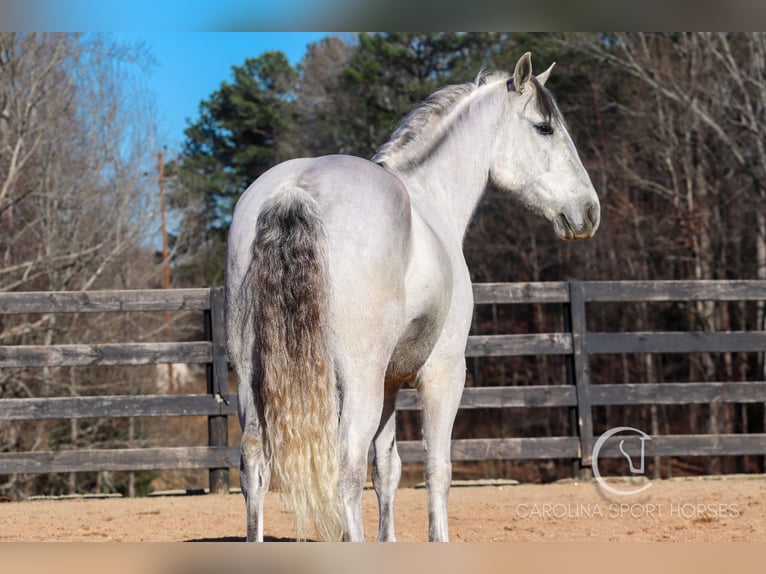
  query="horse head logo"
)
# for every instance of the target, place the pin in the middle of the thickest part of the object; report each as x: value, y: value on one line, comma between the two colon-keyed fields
x: 634, y: 469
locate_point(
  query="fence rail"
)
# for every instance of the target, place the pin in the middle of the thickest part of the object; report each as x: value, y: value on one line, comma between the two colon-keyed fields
x: 576, y: 344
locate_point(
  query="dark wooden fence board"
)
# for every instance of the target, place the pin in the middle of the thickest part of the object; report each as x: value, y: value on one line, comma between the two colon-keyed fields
x: 681, y: 342
x: 168, y: 458
x: 191, y: 405
x: 498, y: 449
x: 500, y: 397
x: 512, y: 293
x: 636, y: 291
x: 113, y: 406
x: 691, y: 445
x: 517, y: 345
x: 107, y: 354
x: 105, y: 301
x: 678, y: 393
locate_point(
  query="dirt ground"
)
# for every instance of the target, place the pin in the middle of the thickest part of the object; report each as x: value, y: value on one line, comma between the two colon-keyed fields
x: 691, y: 510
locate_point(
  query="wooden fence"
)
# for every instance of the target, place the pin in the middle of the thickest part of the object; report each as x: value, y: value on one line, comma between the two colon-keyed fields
x: 576, y: 343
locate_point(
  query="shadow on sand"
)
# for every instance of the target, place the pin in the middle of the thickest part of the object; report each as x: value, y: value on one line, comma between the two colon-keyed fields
x: 242, y: 539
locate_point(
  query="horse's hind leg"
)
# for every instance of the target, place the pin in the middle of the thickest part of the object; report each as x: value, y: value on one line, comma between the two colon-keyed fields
x: 387, y: 467
x: 254, y: 478
x: 360, y: 414
x: 254, y: 470
x: 440, y: 383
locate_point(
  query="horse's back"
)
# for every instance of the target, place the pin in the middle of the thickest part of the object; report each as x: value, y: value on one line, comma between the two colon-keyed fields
x: 365, y: 209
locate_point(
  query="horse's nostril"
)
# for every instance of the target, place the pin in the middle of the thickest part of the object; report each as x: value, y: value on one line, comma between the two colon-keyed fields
x: 564, y: 227
x: 594, y: 213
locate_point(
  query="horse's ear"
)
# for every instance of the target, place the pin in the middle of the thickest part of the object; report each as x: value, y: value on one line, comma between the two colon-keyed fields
x: 523, y: 72
x: 542, y: 78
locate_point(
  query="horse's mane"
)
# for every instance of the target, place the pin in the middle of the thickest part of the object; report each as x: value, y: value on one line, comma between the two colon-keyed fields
x: 404, y: 145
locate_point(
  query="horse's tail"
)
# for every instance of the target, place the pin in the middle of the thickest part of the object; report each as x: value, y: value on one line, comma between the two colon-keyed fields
x: 295, y: 382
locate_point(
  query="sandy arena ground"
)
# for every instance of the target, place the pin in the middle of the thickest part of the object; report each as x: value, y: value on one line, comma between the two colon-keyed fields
x: 691, y: 510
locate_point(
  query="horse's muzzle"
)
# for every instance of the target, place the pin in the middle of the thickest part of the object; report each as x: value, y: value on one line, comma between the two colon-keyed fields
x: 581, y: 225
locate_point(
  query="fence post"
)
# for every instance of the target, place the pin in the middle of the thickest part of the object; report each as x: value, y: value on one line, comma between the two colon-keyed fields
x: 579, y: 369
x: 217, y: 385
x: 574, y: 427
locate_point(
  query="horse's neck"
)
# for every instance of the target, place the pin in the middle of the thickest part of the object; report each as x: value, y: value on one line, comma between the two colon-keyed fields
x: 448, y: 185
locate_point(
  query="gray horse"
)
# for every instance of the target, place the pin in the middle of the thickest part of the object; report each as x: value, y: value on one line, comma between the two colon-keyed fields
x: 346, y: 277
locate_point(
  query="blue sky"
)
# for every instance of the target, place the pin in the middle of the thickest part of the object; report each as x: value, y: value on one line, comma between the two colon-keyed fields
x: 180, y: 15
x: 191, y: 65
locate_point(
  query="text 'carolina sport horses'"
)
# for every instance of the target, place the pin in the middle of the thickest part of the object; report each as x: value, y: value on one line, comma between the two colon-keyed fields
x: 346, y: 277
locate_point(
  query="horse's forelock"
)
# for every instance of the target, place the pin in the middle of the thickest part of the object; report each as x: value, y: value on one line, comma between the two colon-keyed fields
x: 546, y: 104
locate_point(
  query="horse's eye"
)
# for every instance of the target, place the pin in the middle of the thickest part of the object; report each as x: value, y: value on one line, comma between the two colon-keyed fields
x: 544, y: 129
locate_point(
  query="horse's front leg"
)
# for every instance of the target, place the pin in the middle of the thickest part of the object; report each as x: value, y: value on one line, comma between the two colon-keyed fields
x: 440, y: 383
